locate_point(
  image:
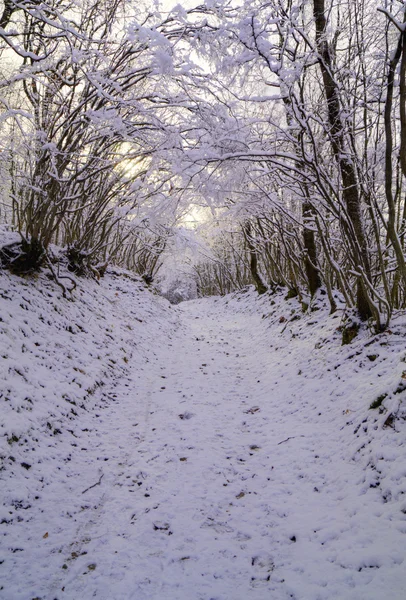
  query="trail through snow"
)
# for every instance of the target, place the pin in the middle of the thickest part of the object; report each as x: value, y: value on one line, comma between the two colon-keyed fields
x: 218, y: 473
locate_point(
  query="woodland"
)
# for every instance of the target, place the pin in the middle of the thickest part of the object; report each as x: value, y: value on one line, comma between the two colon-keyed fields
x: 248, y: 156
x: 264, y: 140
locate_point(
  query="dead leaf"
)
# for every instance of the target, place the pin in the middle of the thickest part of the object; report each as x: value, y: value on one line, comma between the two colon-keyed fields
x: 252, y: 410
x: 45, y: 535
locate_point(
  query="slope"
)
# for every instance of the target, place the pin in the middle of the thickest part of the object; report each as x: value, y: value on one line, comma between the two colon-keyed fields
x: 235, y: 458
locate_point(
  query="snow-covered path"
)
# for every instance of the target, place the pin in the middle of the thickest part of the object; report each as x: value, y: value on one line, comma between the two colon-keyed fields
x: 222, y: 472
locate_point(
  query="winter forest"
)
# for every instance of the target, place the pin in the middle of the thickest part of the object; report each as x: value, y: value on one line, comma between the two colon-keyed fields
x: 278, y: 129
x: 202, y: 235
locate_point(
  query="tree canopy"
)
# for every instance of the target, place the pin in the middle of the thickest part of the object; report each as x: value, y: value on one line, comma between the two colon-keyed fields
x: 286, y: 119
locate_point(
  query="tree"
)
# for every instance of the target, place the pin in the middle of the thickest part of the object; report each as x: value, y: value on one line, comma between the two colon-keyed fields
x: 92, y: 123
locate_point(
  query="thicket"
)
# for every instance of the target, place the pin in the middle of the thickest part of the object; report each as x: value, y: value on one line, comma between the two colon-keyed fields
x: 82, y: 128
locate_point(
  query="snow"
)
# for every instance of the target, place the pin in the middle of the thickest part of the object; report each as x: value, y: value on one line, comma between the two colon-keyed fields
x: 231, y: 455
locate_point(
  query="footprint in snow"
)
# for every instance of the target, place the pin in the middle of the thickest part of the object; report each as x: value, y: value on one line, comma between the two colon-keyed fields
x: 162, y: 526
x: 217, y: 526
x: 263, y: 562
x: 263, y: 566
x: 185, y: 416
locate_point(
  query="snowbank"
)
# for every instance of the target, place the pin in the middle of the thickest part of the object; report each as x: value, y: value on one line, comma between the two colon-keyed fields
x: 58, y: 354
x: 363, y: 383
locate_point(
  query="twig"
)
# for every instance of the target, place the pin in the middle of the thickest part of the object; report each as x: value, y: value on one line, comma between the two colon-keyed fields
x: 57, y: 279
x: 94, y: 485
x: 289, y: 438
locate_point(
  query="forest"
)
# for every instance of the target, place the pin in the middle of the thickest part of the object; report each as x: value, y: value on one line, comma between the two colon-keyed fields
x: 266, y: 141
x: 202, y: 300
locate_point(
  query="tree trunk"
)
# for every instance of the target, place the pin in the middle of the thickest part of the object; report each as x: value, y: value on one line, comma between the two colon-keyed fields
x: 347, y: 170
x: 391, y: 224
x: 309, y: 239
x: 8, y: 10
x: 312, y: 272
x: 259, y: 284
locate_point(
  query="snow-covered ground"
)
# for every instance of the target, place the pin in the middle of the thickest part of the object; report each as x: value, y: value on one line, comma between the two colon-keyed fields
x: 219, y: 450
